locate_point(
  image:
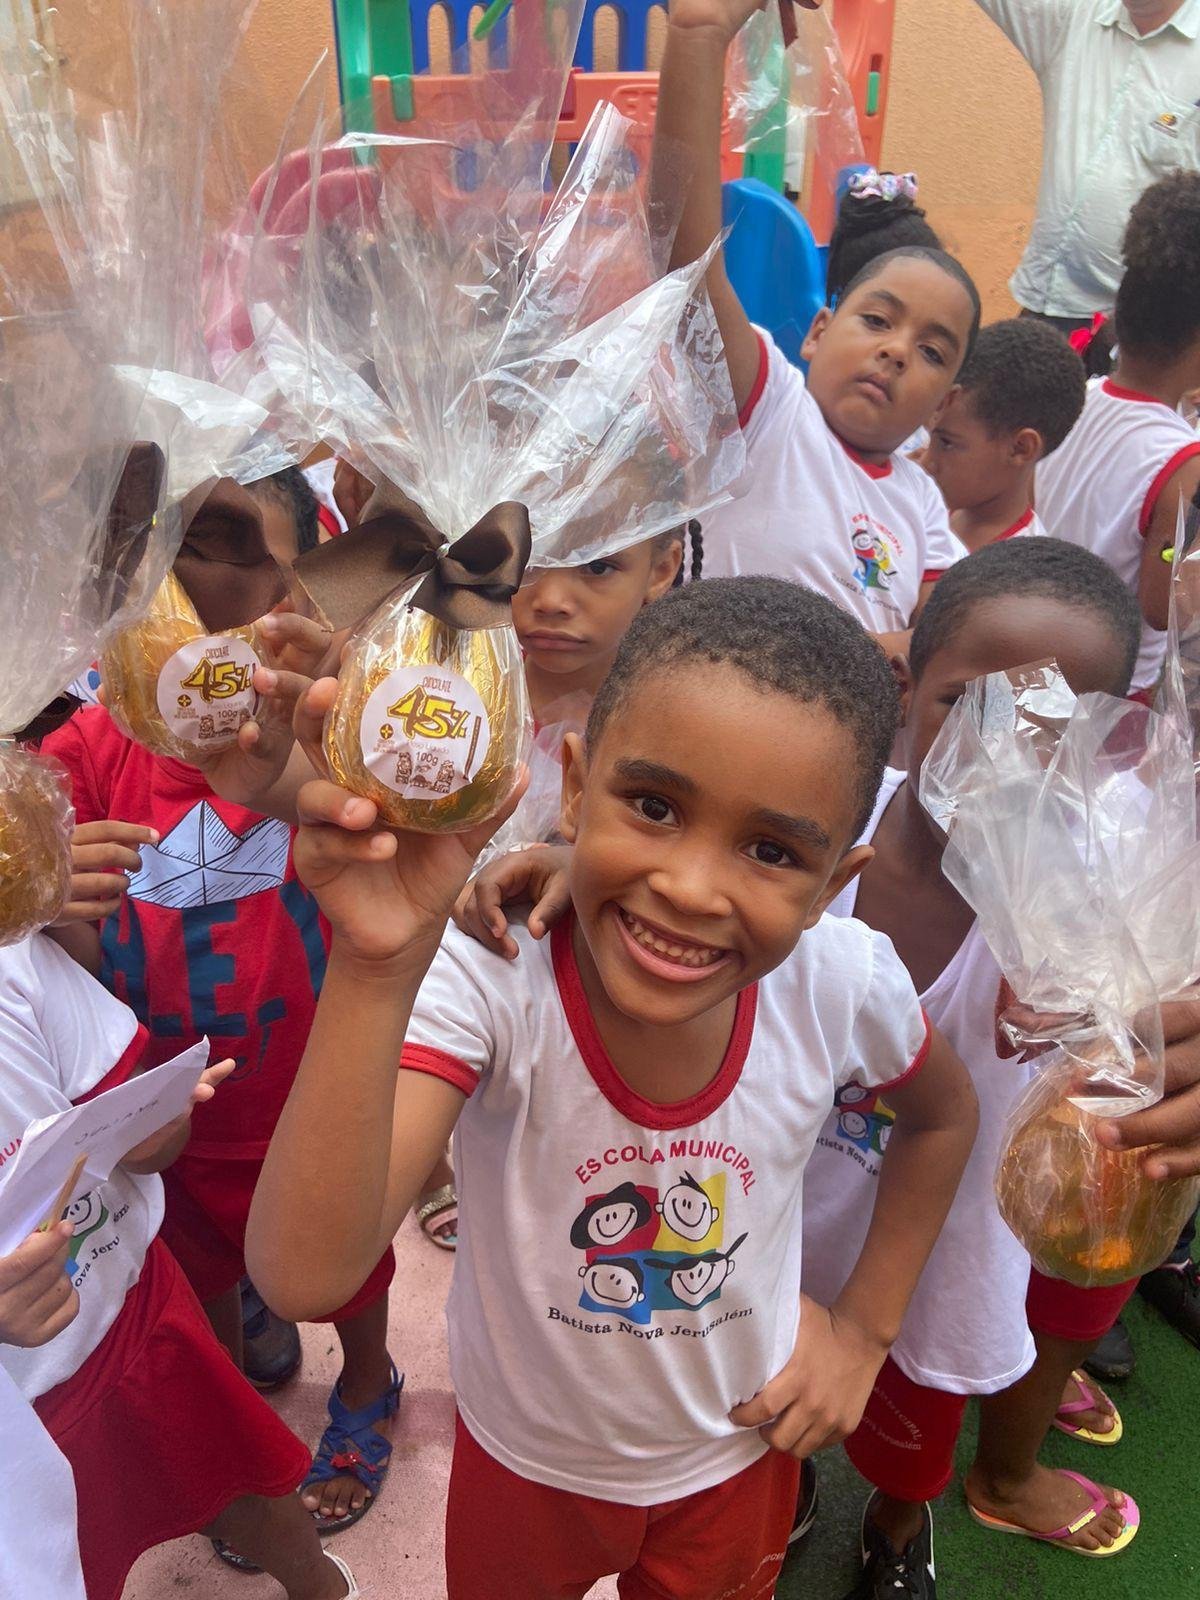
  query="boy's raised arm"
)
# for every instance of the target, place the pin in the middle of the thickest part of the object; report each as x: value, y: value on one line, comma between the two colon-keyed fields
x: 690, y: 110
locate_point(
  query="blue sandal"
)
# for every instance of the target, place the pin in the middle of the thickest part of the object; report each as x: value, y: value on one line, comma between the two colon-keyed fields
x: 350, y: 1447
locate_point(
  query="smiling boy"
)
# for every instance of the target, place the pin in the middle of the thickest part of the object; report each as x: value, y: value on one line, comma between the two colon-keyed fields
x: 637, y: 1373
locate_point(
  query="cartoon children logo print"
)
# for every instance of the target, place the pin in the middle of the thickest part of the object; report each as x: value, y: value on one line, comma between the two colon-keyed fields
x: 648, y: 1251
x: 873, y: 568
x: 85, y: 1215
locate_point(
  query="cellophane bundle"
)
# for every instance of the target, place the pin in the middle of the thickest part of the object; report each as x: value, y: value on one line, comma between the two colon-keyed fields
x: 117, y: 120
x: 1072, y: 832
x: 469, y: 341
x: 792, y: 98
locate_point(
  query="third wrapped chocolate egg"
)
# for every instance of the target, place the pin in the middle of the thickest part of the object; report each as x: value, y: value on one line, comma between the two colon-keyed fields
x: 431, y: 721
x: 1085, y: 1213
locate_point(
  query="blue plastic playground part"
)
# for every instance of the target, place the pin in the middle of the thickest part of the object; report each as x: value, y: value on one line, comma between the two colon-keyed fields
x: 773, y: 262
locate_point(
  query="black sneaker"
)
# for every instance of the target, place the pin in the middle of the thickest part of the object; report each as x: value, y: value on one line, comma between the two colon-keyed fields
x: 1174, y: 1292
x: 888, y: 1574
x: 806, y: 1504
x: 270, y: 1346
x: 1113, y: 1357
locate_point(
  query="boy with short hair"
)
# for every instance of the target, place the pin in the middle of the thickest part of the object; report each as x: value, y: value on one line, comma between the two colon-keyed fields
x: 635, y: 1100
x: 1018, y: 397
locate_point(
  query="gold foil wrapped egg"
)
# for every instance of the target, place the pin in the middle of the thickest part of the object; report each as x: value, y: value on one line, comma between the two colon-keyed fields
x: 36, y: 819
x: 1086, y: 1214
x: 431, y: 722
x: 176, y: 688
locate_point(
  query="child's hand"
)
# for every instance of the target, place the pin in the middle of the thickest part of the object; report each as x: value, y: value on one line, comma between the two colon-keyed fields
x: 246, y: 771
x: 821, y: 1394
x: 161, y: 1147
x: 384, y: 892
x: 37, y: 1299
x: 728, y: 16
x: 103, y: 854
x: 537, y: 877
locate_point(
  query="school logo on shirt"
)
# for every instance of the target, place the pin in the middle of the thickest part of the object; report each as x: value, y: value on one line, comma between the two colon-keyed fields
x: 647, y: 1251
x: 872, y: 545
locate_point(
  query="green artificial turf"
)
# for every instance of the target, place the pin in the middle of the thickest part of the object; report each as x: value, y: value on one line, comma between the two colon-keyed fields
x: 1157, y: 1462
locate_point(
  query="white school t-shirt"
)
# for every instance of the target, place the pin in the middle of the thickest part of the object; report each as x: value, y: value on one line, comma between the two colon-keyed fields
x: 965, y: 1330
x: 627, y: 1272
x: 1100, y: 488
x: 65, y: 1039
x: 866, y: 536
x: 39, y: 1545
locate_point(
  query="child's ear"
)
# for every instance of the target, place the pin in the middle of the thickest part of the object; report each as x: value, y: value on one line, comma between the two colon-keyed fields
x: 813, y: 337
x: 1028, y: 447
x: 664, y: 569
x: 902, y: 673
x: 574, y: 777
x: 847, y: 869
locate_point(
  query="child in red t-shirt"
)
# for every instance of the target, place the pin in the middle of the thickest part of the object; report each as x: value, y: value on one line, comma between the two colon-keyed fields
x: 216, y: 936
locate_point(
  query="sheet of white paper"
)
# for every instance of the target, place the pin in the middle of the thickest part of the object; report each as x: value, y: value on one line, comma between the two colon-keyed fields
x: 103, y: 1128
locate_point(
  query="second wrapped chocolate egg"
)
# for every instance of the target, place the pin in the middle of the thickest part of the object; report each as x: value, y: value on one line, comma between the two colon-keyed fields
x: 431, y: 722
x: 176, y: 688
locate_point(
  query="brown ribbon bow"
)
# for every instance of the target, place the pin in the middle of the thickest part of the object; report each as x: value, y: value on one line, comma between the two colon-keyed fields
x: 468, y: 584
x: 224, y: 564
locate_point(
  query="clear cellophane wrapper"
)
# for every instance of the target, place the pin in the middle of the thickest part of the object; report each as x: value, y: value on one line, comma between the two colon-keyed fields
x: 455, y: 332
x: 1071, y: 831
x: 133, y: 127
x: 536, y: 819
x: 176, y: 688
x: 36, y: 820
x: 793, y: 99
x: 431, y: 722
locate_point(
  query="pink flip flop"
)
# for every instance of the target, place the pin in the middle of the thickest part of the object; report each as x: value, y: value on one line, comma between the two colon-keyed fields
x: 1099, y: 1504
x: 1087, y: 1402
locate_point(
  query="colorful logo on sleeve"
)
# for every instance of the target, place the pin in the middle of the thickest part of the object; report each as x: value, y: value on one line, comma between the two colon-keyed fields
x: 647, y: 1251
x: 863, y: 1119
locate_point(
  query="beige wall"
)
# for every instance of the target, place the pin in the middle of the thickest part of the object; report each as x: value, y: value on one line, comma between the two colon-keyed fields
x: 964, y: 114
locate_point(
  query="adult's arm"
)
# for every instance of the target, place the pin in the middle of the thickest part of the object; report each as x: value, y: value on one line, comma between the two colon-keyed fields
x: 1036, y: 27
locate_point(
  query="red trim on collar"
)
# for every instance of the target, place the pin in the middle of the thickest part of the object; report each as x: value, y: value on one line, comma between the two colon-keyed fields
x: 1018, y: 526
x: 759, y: 384
x: 873, y: 469
x: 125, y: 1068
x: 640, y: 1111
x: 1118, y: 393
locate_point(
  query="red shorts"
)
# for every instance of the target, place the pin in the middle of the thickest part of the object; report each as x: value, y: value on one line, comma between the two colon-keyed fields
x: 1063, y: 1311
x: 139, y: 1481
x: 904, y: 1444
x: 208, y: 1204
x: 510, y: 1539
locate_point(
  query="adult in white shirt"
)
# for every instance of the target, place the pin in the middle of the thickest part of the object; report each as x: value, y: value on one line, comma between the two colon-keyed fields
x: 1120, y: 83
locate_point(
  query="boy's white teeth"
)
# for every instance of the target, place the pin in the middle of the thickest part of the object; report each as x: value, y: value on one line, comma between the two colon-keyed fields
x: 688, y: 955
